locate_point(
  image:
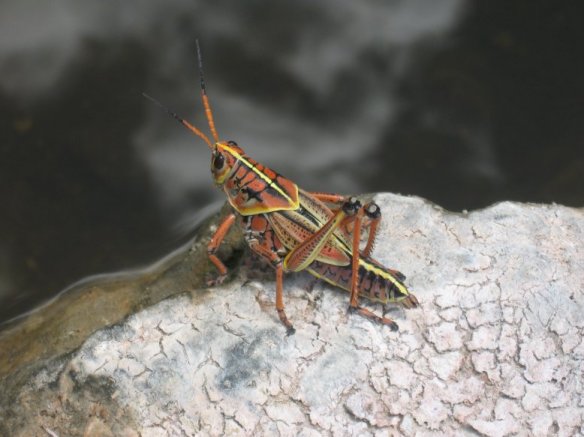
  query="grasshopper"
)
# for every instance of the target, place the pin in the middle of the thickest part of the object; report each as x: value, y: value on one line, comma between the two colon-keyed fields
x: 296, y: 230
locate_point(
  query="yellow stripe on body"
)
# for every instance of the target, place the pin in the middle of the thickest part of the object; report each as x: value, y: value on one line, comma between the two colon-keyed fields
x: 372, y: 268
x: 369, y: 267
x: 269, y: 181
x: 379, y: 272
x: 324, y: 278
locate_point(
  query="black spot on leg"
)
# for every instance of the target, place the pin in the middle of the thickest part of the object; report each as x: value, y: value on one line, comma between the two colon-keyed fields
x: 373, y: 211
x: 351, y: 206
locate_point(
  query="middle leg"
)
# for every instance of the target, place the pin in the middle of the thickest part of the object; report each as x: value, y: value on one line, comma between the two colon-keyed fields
x: 263, y: 241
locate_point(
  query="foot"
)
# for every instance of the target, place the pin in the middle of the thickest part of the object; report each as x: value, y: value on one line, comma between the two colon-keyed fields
x: 372, y: 316
x: 284, y: 319
x: 218, y: 280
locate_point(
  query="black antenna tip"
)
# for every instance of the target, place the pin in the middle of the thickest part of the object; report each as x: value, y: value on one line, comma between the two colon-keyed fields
x: 200, y: 59
x: 164, y: 108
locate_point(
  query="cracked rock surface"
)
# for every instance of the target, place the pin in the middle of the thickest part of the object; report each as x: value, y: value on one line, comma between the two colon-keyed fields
x: 495, y: 349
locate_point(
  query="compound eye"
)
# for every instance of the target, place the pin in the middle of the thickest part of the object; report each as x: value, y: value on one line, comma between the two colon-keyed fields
x: 232, y: 143
x: 218, y: 161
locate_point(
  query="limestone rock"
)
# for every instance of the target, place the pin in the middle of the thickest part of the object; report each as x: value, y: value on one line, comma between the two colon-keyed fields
x: 495, y: 349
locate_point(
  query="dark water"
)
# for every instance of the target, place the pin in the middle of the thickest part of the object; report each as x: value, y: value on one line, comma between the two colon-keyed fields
x: 462, y: 102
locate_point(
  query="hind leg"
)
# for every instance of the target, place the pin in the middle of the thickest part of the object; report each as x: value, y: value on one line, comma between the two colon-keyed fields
x: 355, y: 212
x: 370, y: 219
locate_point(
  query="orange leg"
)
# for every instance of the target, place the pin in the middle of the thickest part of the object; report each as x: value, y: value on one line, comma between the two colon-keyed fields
x: 280, y: 299
x: 371, y: 315
x: 267, y: 253
x: 369, y: 220
x: 372, y: 217
x: 329, y: 197
x: 373, y: 212
x: 214, y: 243
x: 353, y: 303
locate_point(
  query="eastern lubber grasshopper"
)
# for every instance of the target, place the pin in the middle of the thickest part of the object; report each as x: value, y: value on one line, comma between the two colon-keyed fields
x: 297, y: 230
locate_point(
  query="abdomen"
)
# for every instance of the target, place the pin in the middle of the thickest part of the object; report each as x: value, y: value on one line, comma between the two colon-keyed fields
x: 376, y: 282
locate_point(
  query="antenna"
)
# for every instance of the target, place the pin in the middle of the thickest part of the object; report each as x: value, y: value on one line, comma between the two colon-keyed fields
x: 180, y: 120
x: 206, y: 104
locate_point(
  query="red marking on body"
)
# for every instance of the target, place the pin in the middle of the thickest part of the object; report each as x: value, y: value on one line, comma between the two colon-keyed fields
x: 258, y: 223
x: 269, y: 173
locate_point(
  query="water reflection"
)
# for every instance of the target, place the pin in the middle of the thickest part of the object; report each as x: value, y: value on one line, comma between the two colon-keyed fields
x: 464, y: 103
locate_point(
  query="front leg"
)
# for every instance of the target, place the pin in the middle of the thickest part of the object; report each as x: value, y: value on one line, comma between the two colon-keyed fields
x: 214, y: 244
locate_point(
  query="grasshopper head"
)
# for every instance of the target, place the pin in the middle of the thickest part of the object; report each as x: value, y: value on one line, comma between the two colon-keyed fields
x: 224, y: 154
x: 223, y: 158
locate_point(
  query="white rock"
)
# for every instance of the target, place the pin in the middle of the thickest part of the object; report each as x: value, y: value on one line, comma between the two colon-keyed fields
x: 447, y: 364
x: 445, y: 337
x: 496, y: 346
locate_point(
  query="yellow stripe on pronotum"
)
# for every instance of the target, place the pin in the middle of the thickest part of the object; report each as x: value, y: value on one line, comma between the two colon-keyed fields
x: 269, y: 181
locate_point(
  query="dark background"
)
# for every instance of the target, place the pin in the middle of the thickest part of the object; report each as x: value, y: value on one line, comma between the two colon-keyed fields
x: 464, y: 103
